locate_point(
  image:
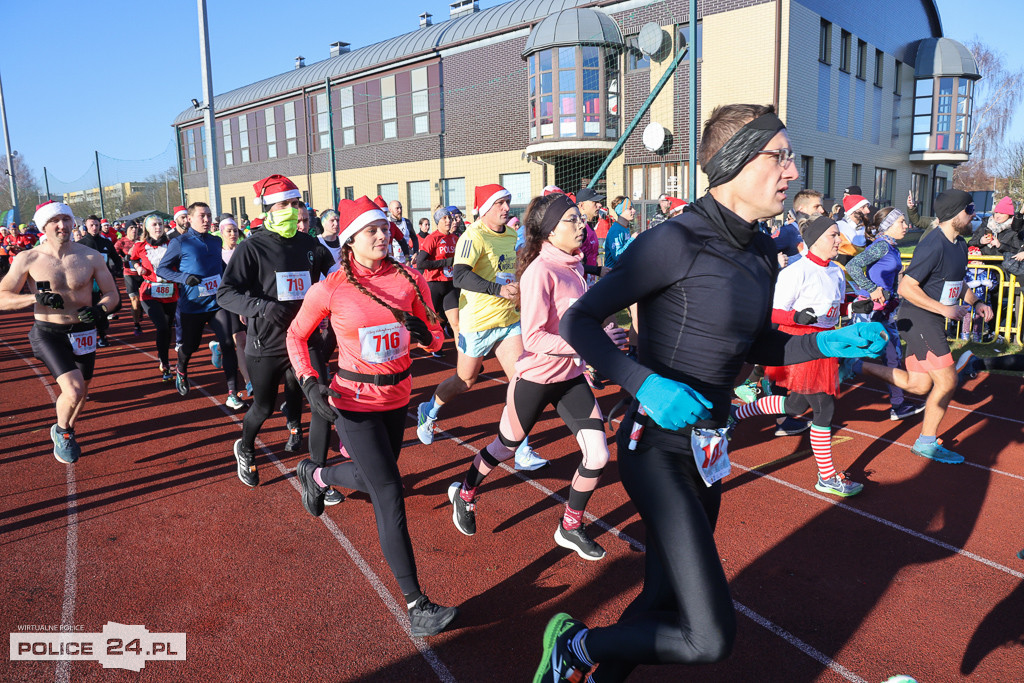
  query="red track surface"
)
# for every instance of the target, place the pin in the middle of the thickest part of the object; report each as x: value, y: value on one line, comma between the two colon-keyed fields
x: 917, y: 575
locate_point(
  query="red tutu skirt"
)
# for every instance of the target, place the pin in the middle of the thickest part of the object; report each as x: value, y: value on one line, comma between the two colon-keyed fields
x: 819, y: 376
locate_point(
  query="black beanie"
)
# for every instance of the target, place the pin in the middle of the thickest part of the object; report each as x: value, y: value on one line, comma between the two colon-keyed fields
x: 950, y: 203
x: 815, y: 228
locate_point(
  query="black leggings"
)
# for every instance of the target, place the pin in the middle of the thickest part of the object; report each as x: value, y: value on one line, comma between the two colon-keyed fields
x: 266, y: 373
x: 526, y: 400
x: 192, y: 325
x: 162, y: 315
x: 445, y: 296
x: 374, y: 441
x: 823, y: 405
x: 684, y: 614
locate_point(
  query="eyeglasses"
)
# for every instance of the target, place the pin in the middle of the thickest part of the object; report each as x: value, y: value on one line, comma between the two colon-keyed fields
x: 784, y: 157
x: 575, y: 220
x: 969, y: 209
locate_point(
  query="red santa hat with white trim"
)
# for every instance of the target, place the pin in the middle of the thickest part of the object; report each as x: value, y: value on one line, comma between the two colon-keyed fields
x: 485, y: 196
x: 552, y: 189
x: 275, y: 188
x: 852, y: 202
x: 180, y: 211
x: 48, y: 210
x: 356, y: 214
x: 676, y: 206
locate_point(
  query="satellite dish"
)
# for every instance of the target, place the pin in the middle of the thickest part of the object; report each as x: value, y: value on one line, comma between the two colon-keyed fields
x: 651, y: 38
x: 654, y: 136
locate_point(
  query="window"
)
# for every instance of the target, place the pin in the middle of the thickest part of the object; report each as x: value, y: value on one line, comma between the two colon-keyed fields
x: 825, y: 42
x: 290, y: 136
x: 635, y: 59
x: 323, y: 123
x: 844, y: 50
x: 519, y: 185
x: 388, y: 191
x: 243, y: 137
x: 919, y: 190
x: 350, y: 192
x: 229, y: 158
x: 419, y: 201
x: 885, y: 181
x: 940, y: 185
x: 646, y: 182
x: 190, y: 150
x: 683, y: 39
x: 241, y: 208
x: 830, y: 178
x: 420, y: 102
x: 234, y: 207
x: 862, y: 59
x: 271, y: 122
x: 348, y: 117
x: 942, y: 115
x: 305, y: 197
x: 388, y: 111
x: 855, y: 175
x: 566, y: 85
x: 453, y: 192
x: 807, y: 171
x: 897, y: 88
x: 879, y: 68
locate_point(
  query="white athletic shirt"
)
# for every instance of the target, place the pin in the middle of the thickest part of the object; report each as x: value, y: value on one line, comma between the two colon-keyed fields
x: 805, y: 284
x: 852, y: 232
x: 335, y: 254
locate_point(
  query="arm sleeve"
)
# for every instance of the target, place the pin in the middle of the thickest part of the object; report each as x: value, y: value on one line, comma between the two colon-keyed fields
x: 783, y: 317
x: 917, y: 220
x: 419, y: 309
x: 537, y: 290
x: 464, y: 278
x: 136, y: 258
x: 168, y: 268
x: 424, y: 262
x: 591, y: 270
x: 233, y: 294
x: 778, y: 348
x: 315, y: 307
x: 856, y: 269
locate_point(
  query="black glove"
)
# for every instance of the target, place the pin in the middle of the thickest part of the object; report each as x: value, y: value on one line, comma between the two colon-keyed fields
x: 418, y: 330
x: 862, y: 306
x: 192, y: 280
x: 91, y: 314
x: 278, y: 314
x: 51, y: 299
x: 805, y: 317
x: 317, y: 394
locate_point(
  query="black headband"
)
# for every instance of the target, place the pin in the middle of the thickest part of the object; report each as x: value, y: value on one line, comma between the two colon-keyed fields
x: 553, y: 213
x: 815, y: 228
x: 741, y: 148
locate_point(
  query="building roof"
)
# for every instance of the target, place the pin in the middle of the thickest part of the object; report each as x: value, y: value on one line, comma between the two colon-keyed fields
x: 505, y: 17
x: 576, y: 26
x: 944, y: 57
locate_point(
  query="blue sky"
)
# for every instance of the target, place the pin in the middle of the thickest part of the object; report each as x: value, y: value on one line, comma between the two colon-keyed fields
x: 112, y: 75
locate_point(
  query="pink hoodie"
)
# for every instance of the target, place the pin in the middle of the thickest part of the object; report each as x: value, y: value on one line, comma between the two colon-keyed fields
x: 550, y: 285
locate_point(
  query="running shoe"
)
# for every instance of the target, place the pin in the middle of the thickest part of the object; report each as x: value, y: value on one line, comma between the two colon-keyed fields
x: 937, y: 452
x: 848, y: 368
x: 579, y: 542
x: 246, y: 459
x: 791, y: 426
x: 332, y: 497
x: 425, y: 425
x: 294, y: 443
x: 181, y: 383
x: 137, y: 331
x: 558, y: 662
x: 905, y: 410
x: 746, y: 392
x: 216, y: 357
x: 436, y: 354
x: 839, y: 484
x: 428, y: 619
x: 233, y: 402
x: 463, y: 513
x: 177, y: 348
x: 966, y: 367
x: 102, y: 342
x: 312, y: 493
x: 65, y: 448
x: 527, y: 459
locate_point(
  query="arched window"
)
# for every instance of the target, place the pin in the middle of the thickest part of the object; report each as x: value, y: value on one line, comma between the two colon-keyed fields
x: 574, y: 93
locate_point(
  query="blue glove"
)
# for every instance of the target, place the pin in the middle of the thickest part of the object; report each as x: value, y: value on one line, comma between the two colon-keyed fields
x: 671, y: 404
x: 853, y: 341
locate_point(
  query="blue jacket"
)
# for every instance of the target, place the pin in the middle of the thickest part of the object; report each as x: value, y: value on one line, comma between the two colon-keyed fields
x: 194, y: 254
x: 614, y: 243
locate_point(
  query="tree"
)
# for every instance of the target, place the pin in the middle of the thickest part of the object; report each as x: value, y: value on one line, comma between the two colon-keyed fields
x: 996, y: 97
x: 27, y: 186
x: 1011, y: 172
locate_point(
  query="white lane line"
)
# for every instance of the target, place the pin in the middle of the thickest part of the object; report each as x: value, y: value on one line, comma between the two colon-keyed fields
x: 399, y: 611
x: 62, y: 674
x: 807, y: 649
x: 892, y: 525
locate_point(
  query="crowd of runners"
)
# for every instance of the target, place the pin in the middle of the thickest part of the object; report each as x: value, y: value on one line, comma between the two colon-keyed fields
x: 730, y: 316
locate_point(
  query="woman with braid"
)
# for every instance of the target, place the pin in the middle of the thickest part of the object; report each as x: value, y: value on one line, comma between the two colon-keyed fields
x: 551, y: 279
x: 377, y: 308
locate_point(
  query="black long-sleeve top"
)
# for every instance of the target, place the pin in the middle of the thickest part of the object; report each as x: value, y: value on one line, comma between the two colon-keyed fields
x: 704, y: 307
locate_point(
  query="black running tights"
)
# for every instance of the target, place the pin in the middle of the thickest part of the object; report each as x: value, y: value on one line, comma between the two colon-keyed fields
x: 192, y: 325
x: 266, y: 373
x: 162, y: 316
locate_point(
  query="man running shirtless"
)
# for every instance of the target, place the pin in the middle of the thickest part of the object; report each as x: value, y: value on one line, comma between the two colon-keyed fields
x: 61, y: 275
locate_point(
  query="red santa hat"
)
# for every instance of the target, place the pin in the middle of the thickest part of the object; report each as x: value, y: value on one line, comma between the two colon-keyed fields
x: 356, y: 214
x: 47, y: 210
x: 676, y: 206
x: 180, y: 211
x: 275, y: 188
x: 255, y: 223
x: 852, y: 202
x: 103, y: 222
x: 485, y: 196
x: 379, y: 201
x: 552, y: 189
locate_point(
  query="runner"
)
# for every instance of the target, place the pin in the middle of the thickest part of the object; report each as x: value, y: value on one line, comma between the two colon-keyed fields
x: 229, y: 237
x: 485, y: 256
x: 931, y: 288
x: 94, y: 239
x: 159, y: 298
x: 436, y: 260
x: 551, y: 278
x: 193, y: 261
x: 63, y: 336
x: 704, y: 286
x: 367, y: 302
x: 132, y: 281
x: 265, y: 282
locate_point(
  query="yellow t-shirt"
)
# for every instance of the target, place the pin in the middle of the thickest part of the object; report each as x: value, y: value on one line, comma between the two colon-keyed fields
x: 492, y: 256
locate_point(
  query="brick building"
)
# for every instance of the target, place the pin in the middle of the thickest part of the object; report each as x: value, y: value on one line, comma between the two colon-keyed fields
x: 535, y: 92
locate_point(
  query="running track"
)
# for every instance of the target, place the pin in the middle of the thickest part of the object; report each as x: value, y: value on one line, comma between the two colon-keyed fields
x: 918, y: 575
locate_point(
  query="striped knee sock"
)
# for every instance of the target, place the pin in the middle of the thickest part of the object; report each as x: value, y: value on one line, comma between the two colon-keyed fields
x: 821, y: 444
x: 769, y: 405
